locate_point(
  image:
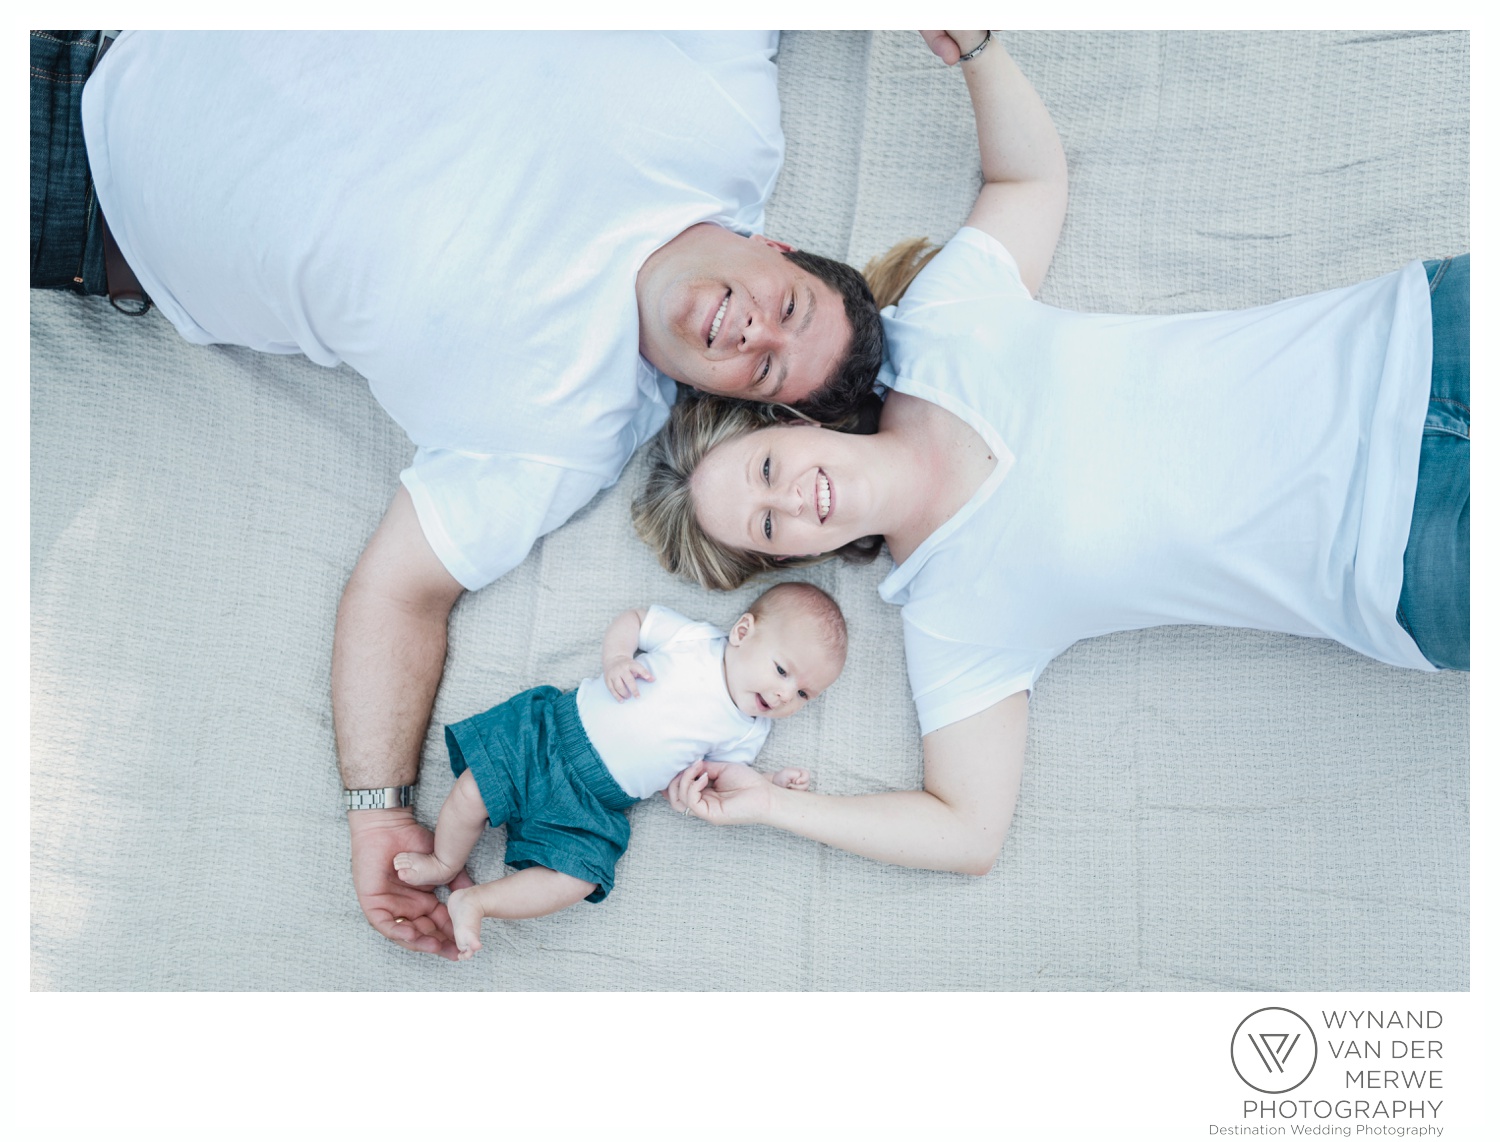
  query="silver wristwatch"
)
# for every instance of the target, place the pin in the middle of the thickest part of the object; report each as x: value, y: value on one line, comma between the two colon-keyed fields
x: 391, y: 797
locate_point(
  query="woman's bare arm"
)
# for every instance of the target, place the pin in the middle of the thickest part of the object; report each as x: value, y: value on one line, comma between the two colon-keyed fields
x: 956, y: 823
x: 1025, y: 192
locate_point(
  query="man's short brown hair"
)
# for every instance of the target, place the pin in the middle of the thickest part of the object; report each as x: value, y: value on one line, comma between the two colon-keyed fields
x: 853, y: 379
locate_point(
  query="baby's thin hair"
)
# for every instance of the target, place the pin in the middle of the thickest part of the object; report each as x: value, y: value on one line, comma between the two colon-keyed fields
x: 816, y: 603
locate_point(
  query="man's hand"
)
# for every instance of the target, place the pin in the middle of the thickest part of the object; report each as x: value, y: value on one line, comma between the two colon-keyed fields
x: 721, y: 792
x: 948, y: 46
x: 620, y: 673
x: 410, y: 916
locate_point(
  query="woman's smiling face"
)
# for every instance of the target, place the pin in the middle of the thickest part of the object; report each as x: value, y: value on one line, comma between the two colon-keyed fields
x: 787, y: 490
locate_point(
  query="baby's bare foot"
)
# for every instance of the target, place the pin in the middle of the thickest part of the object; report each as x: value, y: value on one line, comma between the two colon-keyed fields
x: 422, y: 869
x: 466, y: 913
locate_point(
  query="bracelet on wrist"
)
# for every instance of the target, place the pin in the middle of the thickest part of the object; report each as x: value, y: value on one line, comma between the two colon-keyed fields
x: 976, y: 49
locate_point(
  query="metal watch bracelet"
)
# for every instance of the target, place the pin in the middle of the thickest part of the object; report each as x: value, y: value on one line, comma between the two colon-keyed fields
x: 391, y: 797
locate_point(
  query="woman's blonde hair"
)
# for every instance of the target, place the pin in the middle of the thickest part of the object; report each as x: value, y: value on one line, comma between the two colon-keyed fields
x: 663, y: 512
x: 891, y: 272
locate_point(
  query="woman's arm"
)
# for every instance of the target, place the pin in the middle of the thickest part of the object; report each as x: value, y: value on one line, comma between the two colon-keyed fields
x: 1025, y: 192
x: 955, y: 823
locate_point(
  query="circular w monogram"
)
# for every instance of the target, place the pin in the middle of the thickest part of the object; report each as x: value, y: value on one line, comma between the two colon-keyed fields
x: 1273, y: 1050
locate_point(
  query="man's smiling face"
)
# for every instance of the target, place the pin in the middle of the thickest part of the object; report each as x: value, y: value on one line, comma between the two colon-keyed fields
x: 732, y: 316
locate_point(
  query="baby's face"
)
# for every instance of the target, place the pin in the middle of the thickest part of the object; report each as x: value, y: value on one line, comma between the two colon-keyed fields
x: 775, y: 665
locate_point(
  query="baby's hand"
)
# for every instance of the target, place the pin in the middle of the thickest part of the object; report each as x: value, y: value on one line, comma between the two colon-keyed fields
x: 798, y: 779
x: 620, y: 674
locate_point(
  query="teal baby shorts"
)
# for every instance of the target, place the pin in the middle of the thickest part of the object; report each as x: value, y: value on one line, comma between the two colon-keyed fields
x: 542, y: 779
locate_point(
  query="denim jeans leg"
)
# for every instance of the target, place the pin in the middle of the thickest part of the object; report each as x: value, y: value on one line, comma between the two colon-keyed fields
x: 67, y: 248
x: 1434, y: 606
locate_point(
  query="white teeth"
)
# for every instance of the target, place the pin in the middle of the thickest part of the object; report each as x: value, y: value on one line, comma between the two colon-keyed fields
x: 713, y: 330
x: 825, y: 498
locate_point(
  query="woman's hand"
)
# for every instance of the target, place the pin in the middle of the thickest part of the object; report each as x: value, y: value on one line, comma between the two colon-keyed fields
x: 948, y: 46
x: 721, y: 792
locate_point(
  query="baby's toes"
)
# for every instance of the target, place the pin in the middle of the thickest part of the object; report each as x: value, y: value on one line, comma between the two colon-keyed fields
x: 420, y: 869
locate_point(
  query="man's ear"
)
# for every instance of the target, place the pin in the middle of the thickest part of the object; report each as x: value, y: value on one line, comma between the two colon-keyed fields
x: 773, y: 243
x: 741, y: 629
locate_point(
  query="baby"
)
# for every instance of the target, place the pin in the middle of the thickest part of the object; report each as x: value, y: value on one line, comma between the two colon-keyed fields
x: 559, y: 769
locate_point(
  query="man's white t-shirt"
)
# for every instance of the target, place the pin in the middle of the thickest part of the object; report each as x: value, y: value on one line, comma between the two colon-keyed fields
x: 1251, y: 468
x: 459, y: 217
x: 685, y: 714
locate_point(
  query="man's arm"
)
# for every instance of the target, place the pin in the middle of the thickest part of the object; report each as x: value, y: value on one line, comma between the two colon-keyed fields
x: 388, y: 649
x: 1025, y: 193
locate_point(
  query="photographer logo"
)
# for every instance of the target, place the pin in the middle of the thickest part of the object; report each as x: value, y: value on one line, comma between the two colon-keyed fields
x: 1273, y: 1050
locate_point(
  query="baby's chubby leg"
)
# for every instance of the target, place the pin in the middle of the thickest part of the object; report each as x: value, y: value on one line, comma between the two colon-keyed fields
x: 461, y: 820
x: 534, y: 891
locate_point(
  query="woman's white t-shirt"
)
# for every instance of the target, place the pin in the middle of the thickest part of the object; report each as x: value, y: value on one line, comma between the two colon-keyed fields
x: 458, y: 216
x: 1251, y: 468
x: 683, y: 715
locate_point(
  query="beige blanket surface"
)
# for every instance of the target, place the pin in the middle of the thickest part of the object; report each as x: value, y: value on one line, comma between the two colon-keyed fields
x: 1201, y: 808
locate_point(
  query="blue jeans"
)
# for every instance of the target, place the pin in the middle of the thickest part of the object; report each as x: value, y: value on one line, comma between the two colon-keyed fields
x: 1434, y: 605
x: 67, y: 246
